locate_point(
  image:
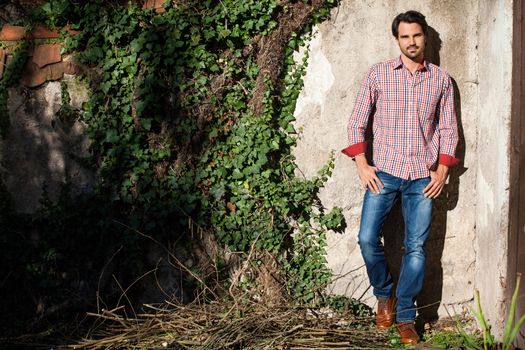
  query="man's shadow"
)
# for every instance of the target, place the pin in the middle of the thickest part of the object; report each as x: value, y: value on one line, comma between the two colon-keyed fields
x: 429, y: 299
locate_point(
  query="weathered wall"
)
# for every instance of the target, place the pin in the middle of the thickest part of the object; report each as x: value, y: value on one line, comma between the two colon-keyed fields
x: 357, y: 36
x: 495, y: 69
x: 468, y: 245
x: 40, y: 150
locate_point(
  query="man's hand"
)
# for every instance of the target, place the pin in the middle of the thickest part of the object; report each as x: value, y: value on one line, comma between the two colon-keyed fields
x: 367, y: 174
x: 437, y: 182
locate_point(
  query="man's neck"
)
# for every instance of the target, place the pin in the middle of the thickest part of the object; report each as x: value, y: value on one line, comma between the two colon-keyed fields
x: 412, y: 64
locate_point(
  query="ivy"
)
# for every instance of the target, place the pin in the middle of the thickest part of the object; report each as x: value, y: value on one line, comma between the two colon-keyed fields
x: 173, y: 136
x: 11, y: 75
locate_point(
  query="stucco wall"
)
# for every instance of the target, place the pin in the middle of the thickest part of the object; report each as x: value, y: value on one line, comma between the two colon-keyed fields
x: 357, y: 36
x: 495, y: 70
x: 41, y: 151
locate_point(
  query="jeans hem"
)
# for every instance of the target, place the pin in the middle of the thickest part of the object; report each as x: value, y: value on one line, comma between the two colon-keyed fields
x: 382, y: 297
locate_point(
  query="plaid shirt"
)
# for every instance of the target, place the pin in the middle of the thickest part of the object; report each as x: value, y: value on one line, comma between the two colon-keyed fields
x: 414, y: 121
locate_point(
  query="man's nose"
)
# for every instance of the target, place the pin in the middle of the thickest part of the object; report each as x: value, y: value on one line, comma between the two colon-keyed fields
x: 412, y: 41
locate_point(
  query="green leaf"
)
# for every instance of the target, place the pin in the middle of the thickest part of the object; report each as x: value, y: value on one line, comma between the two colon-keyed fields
x: 137, y: 44
x: 146, y: 123
x: 223, y: 33
x: 111, y: 136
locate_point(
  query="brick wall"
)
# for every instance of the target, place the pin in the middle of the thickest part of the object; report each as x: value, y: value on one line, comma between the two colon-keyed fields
x: 45, y: 63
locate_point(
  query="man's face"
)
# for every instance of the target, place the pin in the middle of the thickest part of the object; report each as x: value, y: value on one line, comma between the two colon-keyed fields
x: 411, y: 40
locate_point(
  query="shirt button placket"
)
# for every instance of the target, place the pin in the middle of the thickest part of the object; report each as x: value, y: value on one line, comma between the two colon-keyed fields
x: 410, y: 123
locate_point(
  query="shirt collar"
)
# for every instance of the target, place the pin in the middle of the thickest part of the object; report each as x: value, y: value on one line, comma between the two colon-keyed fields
x: 398, y: 63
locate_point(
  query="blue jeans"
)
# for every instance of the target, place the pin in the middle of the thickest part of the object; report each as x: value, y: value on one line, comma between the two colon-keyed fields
x: 417, y: 214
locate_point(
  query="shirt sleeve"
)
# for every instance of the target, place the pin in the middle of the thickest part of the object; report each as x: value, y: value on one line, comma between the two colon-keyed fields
x: 363, y: 107
x: 448, y: 127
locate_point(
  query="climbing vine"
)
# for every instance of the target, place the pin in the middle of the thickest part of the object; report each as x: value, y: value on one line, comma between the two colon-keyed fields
x: 10, y: 77
x: 174, y: 135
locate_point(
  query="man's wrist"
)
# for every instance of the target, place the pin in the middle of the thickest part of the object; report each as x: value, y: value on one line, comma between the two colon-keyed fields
x: 442, y: 168
x: 442, y: 171
x: 360, y: 160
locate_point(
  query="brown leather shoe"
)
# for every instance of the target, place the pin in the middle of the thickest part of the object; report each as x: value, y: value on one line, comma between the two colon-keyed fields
x: 408, y: 333
x: 385, y: 312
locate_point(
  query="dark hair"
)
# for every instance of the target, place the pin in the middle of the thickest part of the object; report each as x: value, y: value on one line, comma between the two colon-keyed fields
x: 409, y: 17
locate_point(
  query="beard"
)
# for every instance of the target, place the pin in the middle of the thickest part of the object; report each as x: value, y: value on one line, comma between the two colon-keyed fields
x: 413, y: 51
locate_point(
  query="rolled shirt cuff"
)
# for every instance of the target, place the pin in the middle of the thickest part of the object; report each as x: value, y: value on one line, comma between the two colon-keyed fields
x: 355, y: 149
x: 445, y: 159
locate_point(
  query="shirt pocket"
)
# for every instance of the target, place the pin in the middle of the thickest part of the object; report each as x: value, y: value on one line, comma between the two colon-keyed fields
x: 391, y: 105
x: 428, y: 107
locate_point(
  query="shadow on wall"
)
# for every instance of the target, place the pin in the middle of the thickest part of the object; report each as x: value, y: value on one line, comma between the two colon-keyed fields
x: 40, y: 151
x: 433, y: 46
x: 429, y: 299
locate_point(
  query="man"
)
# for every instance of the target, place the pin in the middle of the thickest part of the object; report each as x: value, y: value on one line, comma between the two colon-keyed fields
x: 414, y: 142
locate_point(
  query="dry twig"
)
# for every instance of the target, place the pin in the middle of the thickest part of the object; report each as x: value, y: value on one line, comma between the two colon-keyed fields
x: 232, y: 325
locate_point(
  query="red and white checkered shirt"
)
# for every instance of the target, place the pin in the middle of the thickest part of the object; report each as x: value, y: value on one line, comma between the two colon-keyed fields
x: 414, y: 120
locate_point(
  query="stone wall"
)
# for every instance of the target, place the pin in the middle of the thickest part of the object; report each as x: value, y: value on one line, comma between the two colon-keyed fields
x: 357, y: 36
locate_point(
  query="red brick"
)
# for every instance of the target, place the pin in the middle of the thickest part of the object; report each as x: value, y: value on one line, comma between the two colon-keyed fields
x: 148, y: 4
x: 55, y: 71
x: 154, y: 4
x: 46, y: 54
x: 42, y: 32
x: 34, y: 76
x: 10, y: 32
